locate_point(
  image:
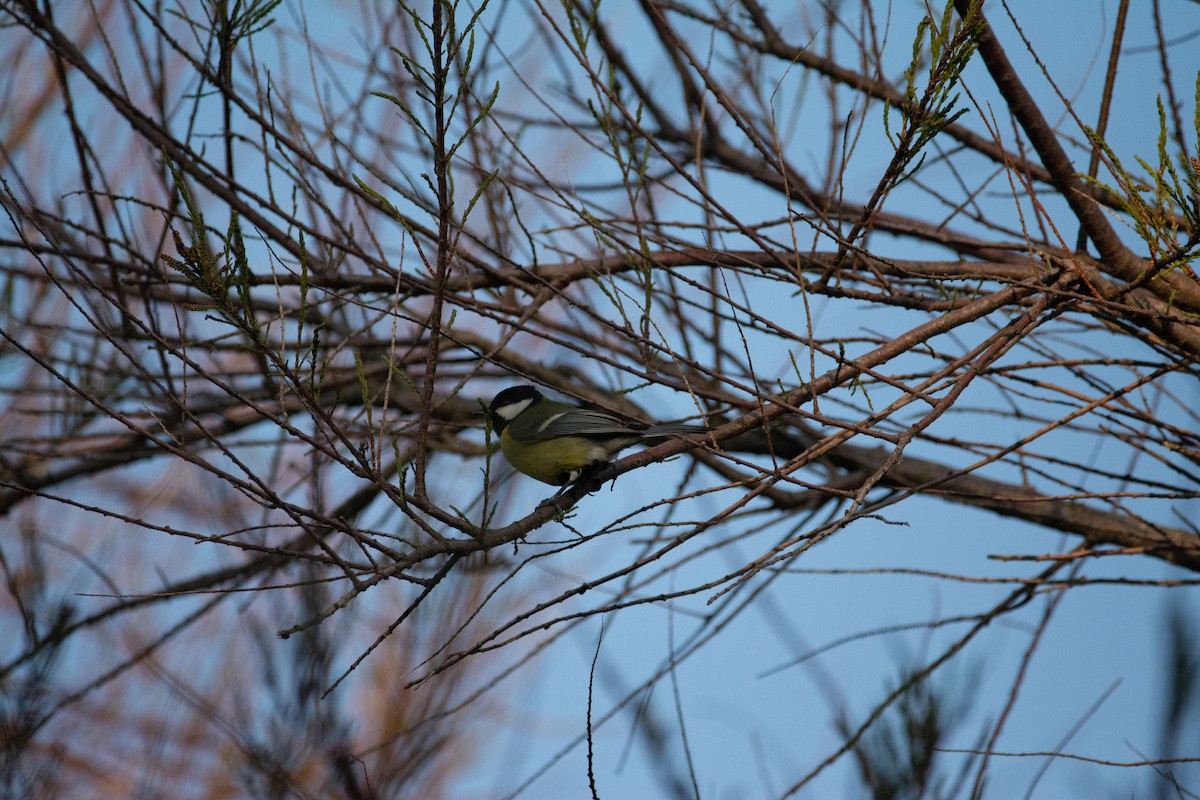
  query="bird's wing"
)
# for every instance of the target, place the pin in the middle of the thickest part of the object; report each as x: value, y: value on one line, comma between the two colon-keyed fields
x: 578, y: 422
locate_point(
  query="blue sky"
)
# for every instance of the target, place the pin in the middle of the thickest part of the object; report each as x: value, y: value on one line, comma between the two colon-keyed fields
x: 755, y: 721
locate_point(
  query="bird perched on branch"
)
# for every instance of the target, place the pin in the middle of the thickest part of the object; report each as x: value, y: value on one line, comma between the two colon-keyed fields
x: 556, y: 443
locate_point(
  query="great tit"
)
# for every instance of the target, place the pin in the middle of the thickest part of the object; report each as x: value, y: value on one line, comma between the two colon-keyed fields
x: 556, y: 442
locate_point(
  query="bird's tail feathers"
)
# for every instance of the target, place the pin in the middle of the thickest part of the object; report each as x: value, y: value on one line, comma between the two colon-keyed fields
x: 673, y: 430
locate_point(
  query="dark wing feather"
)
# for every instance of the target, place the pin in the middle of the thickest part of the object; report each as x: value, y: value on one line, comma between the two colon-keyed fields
x: 581, y: 422
x: 594, y: 424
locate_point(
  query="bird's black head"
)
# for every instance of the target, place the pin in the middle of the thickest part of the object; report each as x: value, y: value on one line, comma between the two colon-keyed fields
x: 509, y: 403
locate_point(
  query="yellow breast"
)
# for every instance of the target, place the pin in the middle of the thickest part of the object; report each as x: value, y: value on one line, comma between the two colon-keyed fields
x: 553, y: 461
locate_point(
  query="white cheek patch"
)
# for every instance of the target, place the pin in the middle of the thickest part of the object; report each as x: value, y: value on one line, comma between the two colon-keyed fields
x: 510, y: 412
